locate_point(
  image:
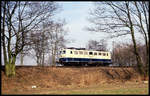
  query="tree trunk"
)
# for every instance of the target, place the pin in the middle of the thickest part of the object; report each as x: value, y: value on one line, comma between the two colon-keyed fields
x: 10, y: 67
x: 21, y: 58
x: 43, y: 60
x: 53, y: 59
x: 144, y: 32
x: 38, y: 60
x: 3, y: 35
x: 138, y: 58
x: 53, y: 56
x: 147, y: 62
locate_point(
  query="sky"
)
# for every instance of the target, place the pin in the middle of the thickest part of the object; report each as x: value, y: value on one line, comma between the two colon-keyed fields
x: 76, y: 14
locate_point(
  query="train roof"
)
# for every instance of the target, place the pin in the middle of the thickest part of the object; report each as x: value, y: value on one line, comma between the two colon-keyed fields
x: 82, y: 49
x: 76, y: 48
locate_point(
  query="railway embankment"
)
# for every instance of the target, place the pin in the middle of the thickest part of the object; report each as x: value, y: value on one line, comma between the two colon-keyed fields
x: 65, y: 77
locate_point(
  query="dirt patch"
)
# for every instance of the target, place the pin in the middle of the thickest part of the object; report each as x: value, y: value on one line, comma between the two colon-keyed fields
x: 55, y: 78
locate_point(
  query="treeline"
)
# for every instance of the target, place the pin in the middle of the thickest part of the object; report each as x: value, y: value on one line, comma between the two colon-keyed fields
x: 123, y: 54
x: 30, y: 28
x: 124, y: 18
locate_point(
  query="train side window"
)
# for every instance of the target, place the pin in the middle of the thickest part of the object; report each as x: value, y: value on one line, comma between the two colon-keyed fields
x: 107, y: 54
x: 70, y: 52
x: 100, y: 54
x: 85, y: 53
x: 90, y: 53
x: 80, y: 52
x: 95, y: 53
x: 75, y: 52
x: 104, y: 54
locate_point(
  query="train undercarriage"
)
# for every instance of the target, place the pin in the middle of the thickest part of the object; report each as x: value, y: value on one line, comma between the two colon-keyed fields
x: 84, y: 64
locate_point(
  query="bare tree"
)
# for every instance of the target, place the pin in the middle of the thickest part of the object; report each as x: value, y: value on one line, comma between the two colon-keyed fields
x: 97, y: 45
x: 57, y: 39
x: 118, y: 19
x: 39, y: 41
x: 123, y: 54
x: 18, y: 18
x: 142, y: 24
x: 48, y: 41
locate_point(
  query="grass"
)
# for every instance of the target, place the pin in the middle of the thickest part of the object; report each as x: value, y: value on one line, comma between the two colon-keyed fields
x: 105, y: 89
x: 131, y: 88
x: 113, y: 91
x: 121, y: 88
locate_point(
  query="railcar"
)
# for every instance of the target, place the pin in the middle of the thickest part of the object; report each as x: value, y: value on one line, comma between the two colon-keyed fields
x: 84, y: 57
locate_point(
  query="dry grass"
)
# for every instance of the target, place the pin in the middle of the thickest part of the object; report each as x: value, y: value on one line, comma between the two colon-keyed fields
x: 50, y: 79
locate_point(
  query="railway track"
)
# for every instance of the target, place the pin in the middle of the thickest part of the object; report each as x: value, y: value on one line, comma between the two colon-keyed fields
x: 3, y: 67
x: 94, y: 66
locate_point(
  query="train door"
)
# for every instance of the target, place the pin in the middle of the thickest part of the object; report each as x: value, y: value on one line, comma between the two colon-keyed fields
x: 91, y: 55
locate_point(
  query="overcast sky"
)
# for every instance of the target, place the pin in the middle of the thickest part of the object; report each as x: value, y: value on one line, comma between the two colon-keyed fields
x: 76, y: 14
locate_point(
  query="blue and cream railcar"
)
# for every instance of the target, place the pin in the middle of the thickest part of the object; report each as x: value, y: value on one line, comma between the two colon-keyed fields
x: 84, y: 57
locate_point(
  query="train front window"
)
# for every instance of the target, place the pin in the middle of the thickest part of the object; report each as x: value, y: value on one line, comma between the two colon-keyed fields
x: 64, y: 52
